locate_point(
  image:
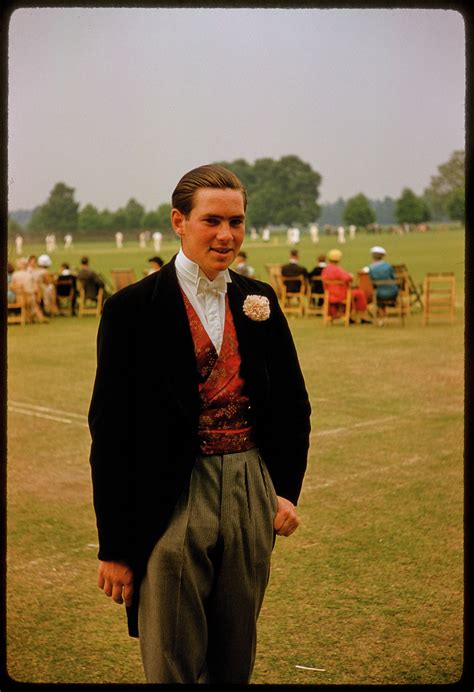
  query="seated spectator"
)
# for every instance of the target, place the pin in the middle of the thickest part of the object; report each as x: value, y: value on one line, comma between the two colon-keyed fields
x: 381, y: 270
x: 91, y: 281
x: 337, y: 292
x: 47, y: 286
x: 23, y: 282
x: 155, y: 264
x: 317, y: 286
x: 65, y: 281
x: 293, y: 268
x: 11, y: 295
x: 241, y: 265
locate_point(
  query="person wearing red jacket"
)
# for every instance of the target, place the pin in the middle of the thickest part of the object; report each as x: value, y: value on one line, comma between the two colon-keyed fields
x: 337, y: 292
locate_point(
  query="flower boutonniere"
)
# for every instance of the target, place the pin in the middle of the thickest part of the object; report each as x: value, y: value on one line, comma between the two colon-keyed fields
x: 257, y: 308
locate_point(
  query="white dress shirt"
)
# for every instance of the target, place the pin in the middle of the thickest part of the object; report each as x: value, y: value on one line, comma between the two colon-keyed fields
x: 206, y: 297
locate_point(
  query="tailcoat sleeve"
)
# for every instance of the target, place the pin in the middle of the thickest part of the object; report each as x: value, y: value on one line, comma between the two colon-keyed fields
x: 111, y: 422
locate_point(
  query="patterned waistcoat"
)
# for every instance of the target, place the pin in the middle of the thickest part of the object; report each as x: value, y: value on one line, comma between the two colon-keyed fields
x: 223, y: 421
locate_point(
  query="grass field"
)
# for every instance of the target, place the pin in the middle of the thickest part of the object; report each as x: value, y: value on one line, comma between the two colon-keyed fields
x: 370, y: 587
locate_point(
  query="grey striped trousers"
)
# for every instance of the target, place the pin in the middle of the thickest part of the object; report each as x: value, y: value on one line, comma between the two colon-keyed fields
x: 207, y: 575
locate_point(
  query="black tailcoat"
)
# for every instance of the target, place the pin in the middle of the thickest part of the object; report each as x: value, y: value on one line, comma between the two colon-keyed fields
x: 144, y: 411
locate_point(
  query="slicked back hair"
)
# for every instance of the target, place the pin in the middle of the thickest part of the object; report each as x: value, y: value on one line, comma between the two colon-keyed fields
x: 212, y: 175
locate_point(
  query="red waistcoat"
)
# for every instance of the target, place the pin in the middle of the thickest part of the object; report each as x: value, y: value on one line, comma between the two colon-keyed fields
x: 223, y: 420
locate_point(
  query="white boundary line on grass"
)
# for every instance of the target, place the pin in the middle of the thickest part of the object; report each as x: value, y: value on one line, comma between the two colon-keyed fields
x: 347, y: 428
x: 66, y: 416
x: 45, y: 412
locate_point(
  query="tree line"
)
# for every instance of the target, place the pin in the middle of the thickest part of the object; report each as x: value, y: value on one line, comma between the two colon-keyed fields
x: 280, y: 193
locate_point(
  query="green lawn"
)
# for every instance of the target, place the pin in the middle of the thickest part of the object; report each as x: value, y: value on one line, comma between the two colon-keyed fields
x: 370, y: 587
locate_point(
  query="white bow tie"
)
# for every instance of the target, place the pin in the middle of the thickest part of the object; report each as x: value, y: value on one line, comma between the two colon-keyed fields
x: 218, y: 285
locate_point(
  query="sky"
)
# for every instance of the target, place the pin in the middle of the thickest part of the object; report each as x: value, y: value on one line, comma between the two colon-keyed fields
x: 121, y: 102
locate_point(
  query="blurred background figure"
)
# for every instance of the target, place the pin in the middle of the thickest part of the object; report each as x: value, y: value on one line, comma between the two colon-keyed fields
x: 157, y: 238
x: 19, y: 243
x: 317, y: 287
x: 119, y: 239
x: 337, y: 292
x: 253, y: 234
x: 293, y: 235
x: 266, y: 234
x: 22, y: 281
x: 352, y: 231
x: 293, y: 268
x: 67, y: 241
x: 47, y: 286
x: 155, y: 264
x: 91, y: 281
x: 50, y: 242
x: 314, y: 232
x: 341, y: 234
x: 381, y: 270
x: 241, y: 266
x: 142, y: 239
x: 11, y: 295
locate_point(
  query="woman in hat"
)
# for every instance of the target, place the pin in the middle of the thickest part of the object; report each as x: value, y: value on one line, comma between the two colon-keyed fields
x: 381, y: 270
x: 337, y: 292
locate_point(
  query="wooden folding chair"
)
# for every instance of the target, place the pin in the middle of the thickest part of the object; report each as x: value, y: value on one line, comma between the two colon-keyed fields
x: 16, y: 312
x: 122, y: 277
x: 292, y: 301
x: 343, y: 306
x: 274, y: 273
x: 396, y: 309
x: 439, y: 296
x: 87, y: 306
x: 411, y: 293
x: 314, y: 299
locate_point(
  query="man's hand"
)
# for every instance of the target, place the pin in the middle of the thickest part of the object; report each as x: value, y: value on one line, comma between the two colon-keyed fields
x: 116, y: 580
x: 286, y: 519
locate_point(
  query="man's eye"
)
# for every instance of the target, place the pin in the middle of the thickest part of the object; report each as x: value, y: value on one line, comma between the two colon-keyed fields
x: 236, y: 222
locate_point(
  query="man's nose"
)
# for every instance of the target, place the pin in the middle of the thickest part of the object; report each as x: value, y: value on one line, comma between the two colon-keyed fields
x: 224, y: 230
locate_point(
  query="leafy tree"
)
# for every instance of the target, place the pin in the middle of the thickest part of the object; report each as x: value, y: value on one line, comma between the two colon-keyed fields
x: 358, y: 211
x: 279, y: 192
x: 13, y: 226
x: 151, y: 220
x: 164, y: 217
x: 159, y: 219
x: 106, y: 219
x: 119, y: 220
x: 331, y: 213
x: 37, y: 220
x: 457, y: 205
x: 89, y: 218
x: 134, y: 213
x: 384, y: 210
x: 59, y: 213
x: 449, y: 181
x: 410, y: 208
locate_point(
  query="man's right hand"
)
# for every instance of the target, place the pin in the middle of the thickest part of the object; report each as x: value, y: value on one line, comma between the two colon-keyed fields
x: 116, y: 580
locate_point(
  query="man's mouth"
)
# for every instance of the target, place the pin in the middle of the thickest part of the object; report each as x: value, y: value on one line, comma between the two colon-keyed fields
x: 221, y: 250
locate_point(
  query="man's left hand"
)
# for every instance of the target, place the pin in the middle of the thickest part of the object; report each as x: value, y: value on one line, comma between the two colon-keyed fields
x: 286, y: 519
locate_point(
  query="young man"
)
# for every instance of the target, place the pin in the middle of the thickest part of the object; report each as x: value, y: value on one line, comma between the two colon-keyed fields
x: 186, y: 528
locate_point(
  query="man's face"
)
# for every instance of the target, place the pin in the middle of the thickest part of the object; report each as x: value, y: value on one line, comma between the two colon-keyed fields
x: 214, y: 231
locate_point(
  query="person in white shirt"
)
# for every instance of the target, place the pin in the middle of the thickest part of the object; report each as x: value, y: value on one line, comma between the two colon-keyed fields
x: 201, y: 359
x: 157, y: 238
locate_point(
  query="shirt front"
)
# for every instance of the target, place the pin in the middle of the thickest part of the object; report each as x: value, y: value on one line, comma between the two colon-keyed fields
x: 209, y: 305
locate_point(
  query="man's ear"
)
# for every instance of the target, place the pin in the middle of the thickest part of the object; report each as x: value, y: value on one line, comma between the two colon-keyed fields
x: 177, y: 221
